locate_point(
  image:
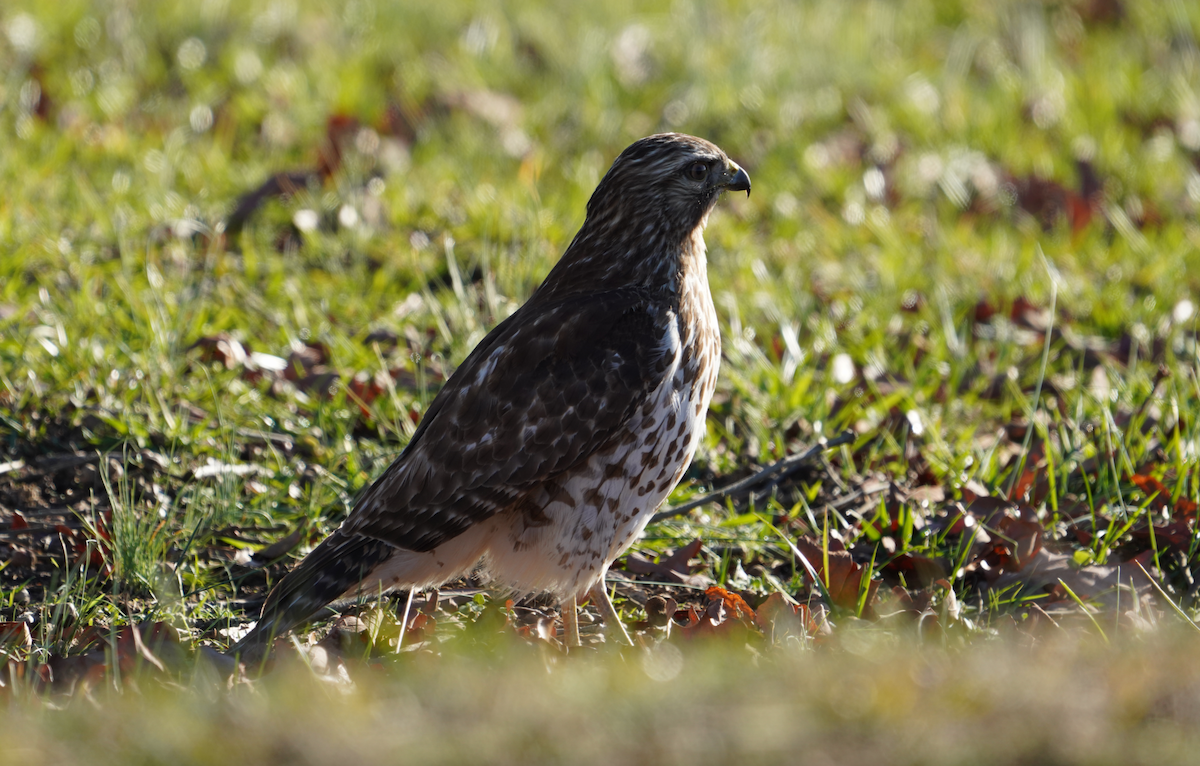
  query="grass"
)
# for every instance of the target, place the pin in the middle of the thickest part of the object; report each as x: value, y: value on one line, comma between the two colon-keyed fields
x: 924, y: 260
x: 1066, y: 703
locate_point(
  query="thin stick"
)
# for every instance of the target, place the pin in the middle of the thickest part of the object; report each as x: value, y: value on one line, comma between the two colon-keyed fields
x: 404, y: 620
x: 782, y: 467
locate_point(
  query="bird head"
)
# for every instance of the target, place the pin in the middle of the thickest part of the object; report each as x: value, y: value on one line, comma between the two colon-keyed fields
x: 646, y: 216
x: 672, y: 177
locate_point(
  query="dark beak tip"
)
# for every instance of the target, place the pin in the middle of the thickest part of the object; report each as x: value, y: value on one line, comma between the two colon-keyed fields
x: 740, y: 182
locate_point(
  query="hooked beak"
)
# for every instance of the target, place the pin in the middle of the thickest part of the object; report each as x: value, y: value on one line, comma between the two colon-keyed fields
x: 736, y: 179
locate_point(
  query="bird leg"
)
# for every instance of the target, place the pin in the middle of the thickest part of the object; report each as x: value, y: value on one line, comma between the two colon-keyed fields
x: 608, y: 612
x: 570, y: 618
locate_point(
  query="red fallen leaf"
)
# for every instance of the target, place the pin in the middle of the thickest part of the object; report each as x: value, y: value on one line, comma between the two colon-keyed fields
x: 1025, y: 313
x: 1018, y: 543
x: 1153, y: 487
x: 1177, y: 533
x: 1041, y: 198
x: 989, y: 508
x: 132, y: 652
x: 1079, y: 212
x: 691, y: 614
x: 717, y: 620
x: 402, y: 121
x: 1021, y: 489
x: 734, y: 603
x: 1048, y: 201
x: 984, y: 311
x: 844, y: 580
x: 918, y: 571
x: 1083, y: 206
x: 1150, y: 485
x: 1096, y: 12
x: 1025, y: 535
x: 420, y: 628
x: 973, y: 490
x: 41, y: 103
x: 18, y: 521
x: 1147, y: 216
x: 1032, y: 485
x: 98, y: 554
x: 364, y: 389
x: 338, y: 128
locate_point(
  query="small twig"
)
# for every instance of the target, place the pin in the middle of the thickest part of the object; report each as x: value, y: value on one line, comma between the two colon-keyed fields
x: 1044, y: 613
x: 837, y: 480
x: 404, y: 620
x: 868, y: 489
x: 782, y: 467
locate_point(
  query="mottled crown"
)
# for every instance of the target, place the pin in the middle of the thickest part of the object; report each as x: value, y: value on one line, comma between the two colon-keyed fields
x: 654, y: 172
x: 644, y: 214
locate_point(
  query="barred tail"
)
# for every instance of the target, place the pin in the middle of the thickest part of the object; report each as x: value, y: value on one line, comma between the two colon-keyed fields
x: 334, y: 567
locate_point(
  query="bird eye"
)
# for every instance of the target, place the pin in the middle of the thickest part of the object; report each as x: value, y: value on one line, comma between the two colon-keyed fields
x: 697, y: 171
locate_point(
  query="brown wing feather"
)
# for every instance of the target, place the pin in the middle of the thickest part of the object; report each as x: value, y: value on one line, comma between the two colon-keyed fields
x: 545, y: 390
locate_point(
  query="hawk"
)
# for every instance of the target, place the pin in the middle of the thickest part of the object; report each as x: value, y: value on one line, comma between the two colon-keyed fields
x: 549, y: 449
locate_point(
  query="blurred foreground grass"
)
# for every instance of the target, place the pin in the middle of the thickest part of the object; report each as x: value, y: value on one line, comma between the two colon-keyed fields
x: 1067, y: 701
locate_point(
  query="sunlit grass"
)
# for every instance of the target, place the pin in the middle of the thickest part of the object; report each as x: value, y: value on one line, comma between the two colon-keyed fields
x: 885, y: 276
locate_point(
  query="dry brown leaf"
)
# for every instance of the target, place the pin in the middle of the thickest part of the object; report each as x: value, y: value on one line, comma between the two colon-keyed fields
x: 918, y: 571
x: 15, y: 635
x: 673, y: 568
x: 844, y: 580
x: 780, y: 619
x: 1098, y: 584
